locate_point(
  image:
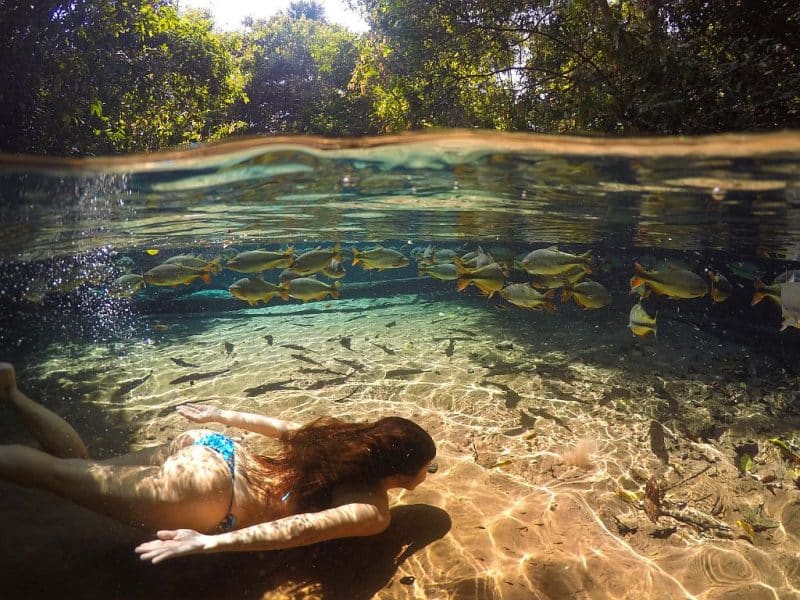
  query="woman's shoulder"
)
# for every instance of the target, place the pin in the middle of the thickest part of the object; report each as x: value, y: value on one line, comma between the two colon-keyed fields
x: 360, y: 494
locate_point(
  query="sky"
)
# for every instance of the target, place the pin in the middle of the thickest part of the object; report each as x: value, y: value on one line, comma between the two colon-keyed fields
x: 228, y: 14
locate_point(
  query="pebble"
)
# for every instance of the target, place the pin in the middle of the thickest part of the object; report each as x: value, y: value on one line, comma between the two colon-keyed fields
x: 505, y: 345
x: 407, y: 580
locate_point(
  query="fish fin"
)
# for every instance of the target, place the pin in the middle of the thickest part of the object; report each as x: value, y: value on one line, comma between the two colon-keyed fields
x: 552, y: 248
x: 284, y: 295
x: 636, y: 281
x: 355, y: 256
x: 549, y: 294
x: 289, y: 251
x: 462, y: 284
x: 335, y: 294
x: 549, y: 307
x: 565, y: 295
x: 337, y: 251
x: 757, y: 297
x: 206, y: 277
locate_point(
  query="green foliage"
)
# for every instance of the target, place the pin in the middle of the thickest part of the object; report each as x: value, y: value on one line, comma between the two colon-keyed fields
x: 300, y: 68
x: 583, y: 66
x: 103, y: 76
x: 99, y: 76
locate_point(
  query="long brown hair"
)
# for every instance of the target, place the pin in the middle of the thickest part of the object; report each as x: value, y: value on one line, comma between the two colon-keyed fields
x: 328, y: 452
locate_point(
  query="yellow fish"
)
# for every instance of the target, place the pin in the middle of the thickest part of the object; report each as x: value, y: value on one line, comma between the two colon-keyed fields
x: 379, y: 258
x: 721, y: 288
x: 773, y: 292
x: 588, y: 294
x: 172, y: 274
x: 308, y: 288
x: 254, y: 290
x: 674, y: 283
x: 551, y: 261
x: 196, y: 262
x: 488, y: 279
x: 524, y: 296
x: 639, y: 322
x: 443, y: 271
x: 317, y: 259
x: 551, y: 282
x: 126, y: 286
x: 256, y: 261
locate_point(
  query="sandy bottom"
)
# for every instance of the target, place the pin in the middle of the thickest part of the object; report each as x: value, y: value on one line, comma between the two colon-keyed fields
x: 548, y: 429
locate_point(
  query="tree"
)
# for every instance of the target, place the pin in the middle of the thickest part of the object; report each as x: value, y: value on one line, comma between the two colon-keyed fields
x: 98, y: 76
x: 300, y: 69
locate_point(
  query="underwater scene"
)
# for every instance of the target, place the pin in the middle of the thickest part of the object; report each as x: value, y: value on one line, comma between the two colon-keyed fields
x: 600, y: 335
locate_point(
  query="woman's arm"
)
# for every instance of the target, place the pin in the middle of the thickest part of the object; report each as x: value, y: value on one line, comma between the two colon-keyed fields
x: 349, y: 520
x: 268, y: 426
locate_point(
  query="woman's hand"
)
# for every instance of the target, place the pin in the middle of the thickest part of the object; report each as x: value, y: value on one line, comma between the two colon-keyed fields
x: 180, y: 542
x: 199, y: 413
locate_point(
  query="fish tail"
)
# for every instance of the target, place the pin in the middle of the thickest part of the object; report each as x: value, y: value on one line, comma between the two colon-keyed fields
x: 337, y: 252
x: 206, y: 277
x: 637, y: 280
x: 462, y: 283
x: 284, y: 295
x: 461, y: 270
x: 549, y: 306
x: 549, y: 294
x: 289, y: 251
x: 566, y: 294
x: 355, y: 256
x: 335, y: 290
x: 758, y: 296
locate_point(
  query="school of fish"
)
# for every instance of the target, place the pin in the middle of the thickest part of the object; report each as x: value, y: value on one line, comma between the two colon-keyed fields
x: 530, y: 280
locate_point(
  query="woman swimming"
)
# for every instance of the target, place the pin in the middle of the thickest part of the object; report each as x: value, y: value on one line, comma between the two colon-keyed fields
x: 203, y: 493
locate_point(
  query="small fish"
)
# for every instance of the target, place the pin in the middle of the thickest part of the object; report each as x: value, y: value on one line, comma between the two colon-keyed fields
x: 288, y: 275
x: 379, y: 258
x: 554, y: 282
x: 488, y: 279
x: 673, y: 283
x: 720, y: 287
x: 269, y: 339
x: 269, y: 387
x: 315, y: 260
x: 451, y: 347
x: 307, y: 288
x: 256, y: 261
x: 790, y: 305
x: 310, y: 361
x: 445, y: 255
x: 196, y: 262
x: 386, y: 349
x: 391, y: 324
x: 334, y: 269
x: 323, y: 383
x: 443, y: 272
x: 295, y: 347
x: 512, y: 398
x: 524, y: 296
x: 126, y: 286
x: 172, y: 274
x: 228, y: 348
x: 254, y: 290
x: 345, y: 341
x: 639, y: 322
x: 404, y: 372
x: 129, y: 386
x: 588, y: 294
x: 745, y: 270
x: 551, y: 261
x: 182, y: 363
x: 351, y: 363
x: 501, y: 463
x: 316, y: 371
x: 192, y: 377
x: 762, y: 290
x: 787, y: 276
